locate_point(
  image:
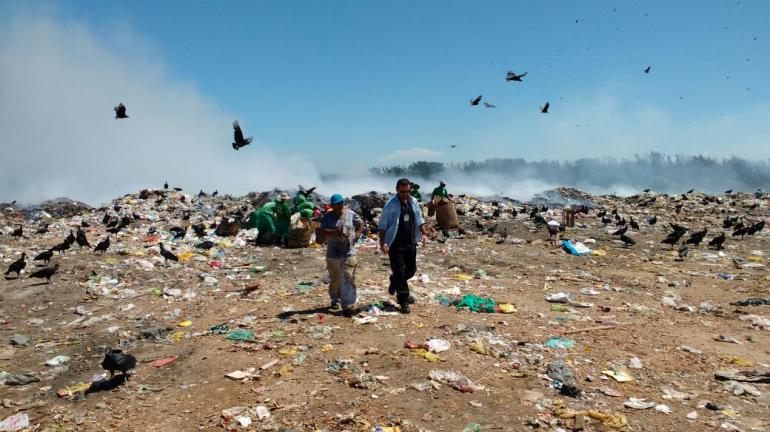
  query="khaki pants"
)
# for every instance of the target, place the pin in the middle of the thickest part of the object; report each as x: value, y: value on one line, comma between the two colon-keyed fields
x: 342, y: 280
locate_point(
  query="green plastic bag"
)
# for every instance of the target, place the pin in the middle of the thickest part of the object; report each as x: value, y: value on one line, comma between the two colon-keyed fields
x: 241, y: 335
x: 477, y: 304
x: 560, y: 343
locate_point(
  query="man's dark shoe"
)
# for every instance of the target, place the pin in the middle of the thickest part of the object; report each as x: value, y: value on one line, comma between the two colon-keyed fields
x: 348, y: 312
x: 404, y: 308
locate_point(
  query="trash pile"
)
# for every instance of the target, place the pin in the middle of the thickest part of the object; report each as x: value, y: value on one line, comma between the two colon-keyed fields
x: 521, y: 320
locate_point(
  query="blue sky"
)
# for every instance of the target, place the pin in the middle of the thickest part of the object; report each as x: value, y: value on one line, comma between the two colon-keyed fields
x: 367, y: 83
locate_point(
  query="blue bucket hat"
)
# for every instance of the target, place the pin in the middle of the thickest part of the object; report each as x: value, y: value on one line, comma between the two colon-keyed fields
x: 336, y: 199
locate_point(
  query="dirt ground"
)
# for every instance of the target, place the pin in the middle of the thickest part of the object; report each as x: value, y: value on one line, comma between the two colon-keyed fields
x: 333, y: 373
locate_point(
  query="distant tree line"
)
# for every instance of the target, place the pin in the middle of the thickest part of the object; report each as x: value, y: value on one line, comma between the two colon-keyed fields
x: 654, y: 170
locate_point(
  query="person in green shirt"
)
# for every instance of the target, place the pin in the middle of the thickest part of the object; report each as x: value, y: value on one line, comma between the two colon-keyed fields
x: 415, y: 192
x: 283, y: 217
x: 440, y: 191
x: 263, y: 219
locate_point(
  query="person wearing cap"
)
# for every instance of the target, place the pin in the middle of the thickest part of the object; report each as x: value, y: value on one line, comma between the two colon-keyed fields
x: 401, y: 227
x: 283, y: 217
x: 440, y: 191
x: 416, y: 192
x: 342, y: 228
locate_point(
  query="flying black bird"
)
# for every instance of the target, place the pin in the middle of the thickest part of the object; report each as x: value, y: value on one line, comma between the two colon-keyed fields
x: 44, y: 256
x: 167, y: 254
x: 511, y: 76
x: 646, y: 190
x: 627, y: 241
x: 544, y: 108
x: 728, y: 191
x: 717, y: 241
x: 453, y: 146
x: 102, y: 245
x: 17, y: 266
x: 178, y: 189
x: 45, y: 273
x: 653, y: 220
x: 697, y: 237
x: 489, y: 105
x: 683, y: 250
x: 18, y: 232
x: 476, y: 101
x: 621, y: 231
x: 115, y: 360
x: 647, y: 69
x: 120, y: 111
x: 240, y: 141
x: 82, y: 239
x: 634, y: 224
x: 690, y: 191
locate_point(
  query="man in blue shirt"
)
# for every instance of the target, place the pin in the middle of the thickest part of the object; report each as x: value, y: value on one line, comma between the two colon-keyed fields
x: 401, y: 226
x: 342, y: 228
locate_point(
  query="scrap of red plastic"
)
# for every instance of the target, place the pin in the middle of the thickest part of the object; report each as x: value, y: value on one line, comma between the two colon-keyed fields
x: 163, y: 362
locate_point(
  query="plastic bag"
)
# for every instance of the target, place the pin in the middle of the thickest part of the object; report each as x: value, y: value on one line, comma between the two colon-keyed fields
x: 477, y: 304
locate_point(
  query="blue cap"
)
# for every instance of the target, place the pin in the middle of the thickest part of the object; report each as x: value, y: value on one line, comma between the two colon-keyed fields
x: 336, y: 199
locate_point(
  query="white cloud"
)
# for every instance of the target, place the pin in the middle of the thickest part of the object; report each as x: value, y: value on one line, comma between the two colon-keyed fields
x: 412, y: 154
x: 59, y: 82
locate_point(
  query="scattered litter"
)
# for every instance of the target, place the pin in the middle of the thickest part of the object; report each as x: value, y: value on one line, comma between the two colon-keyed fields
x: 241, y: 335
x: 57, y: 361
x: 456, y: 380
x: 619, y: 375
x: 639, y: 404
x: 560, y: 343
x: 15, y: 422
